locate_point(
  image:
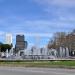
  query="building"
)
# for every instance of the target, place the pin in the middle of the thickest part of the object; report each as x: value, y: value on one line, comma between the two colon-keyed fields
x: 8, y: 38
x: 21, y: 44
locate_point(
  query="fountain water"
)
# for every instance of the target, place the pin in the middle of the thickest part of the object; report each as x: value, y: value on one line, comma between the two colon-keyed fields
x: 67, y: 52
x: 7, y: 53
x: 61, y: 52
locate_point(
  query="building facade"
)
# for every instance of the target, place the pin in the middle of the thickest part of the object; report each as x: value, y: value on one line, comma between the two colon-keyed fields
x: 21, y: 44
x: 8, y: 38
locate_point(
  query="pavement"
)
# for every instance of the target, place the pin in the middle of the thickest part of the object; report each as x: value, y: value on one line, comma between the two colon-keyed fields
x: 35, y: 71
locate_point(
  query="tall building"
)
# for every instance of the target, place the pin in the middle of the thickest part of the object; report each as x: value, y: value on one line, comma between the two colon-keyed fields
x: 8, y: 38
x: 21, y: 44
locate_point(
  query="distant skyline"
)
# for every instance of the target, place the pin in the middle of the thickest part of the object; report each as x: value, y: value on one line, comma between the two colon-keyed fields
x: 36, y: 16
x: 31, y: 38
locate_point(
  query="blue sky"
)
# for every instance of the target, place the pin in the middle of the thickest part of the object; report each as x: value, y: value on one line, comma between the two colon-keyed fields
x: 36, y: 16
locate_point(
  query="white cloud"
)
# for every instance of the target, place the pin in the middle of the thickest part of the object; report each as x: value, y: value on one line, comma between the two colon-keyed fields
x: 63, y: 13
x: 39, y: 34
x: 60, y: 9
x: 38, y: 27
x: 57, y: 2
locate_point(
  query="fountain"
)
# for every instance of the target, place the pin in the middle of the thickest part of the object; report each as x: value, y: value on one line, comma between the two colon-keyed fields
x: 61, y: 52
x: 67, y: 52
x: 7, y: 53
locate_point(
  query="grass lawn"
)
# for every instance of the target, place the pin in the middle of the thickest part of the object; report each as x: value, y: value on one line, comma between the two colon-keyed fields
x: 48, y: 64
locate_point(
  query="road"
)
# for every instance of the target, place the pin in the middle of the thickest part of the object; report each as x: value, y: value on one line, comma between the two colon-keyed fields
x: 35, y: 71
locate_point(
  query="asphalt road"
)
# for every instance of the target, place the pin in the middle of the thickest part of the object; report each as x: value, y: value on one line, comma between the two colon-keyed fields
x: 35, y: 71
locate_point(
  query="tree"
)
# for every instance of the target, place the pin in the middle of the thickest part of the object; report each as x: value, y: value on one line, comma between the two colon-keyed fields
x: 58, y: 40
x: 4, y: 47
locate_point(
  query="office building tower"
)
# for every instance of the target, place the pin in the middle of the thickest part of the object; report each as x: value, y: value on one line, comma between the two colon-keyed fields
x: 8, y: 38
x: 21, y: 44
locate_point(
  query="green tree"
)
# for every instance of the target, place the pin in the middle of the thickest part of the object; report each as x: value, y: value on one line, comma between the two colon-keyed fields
x: 4, y: 47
